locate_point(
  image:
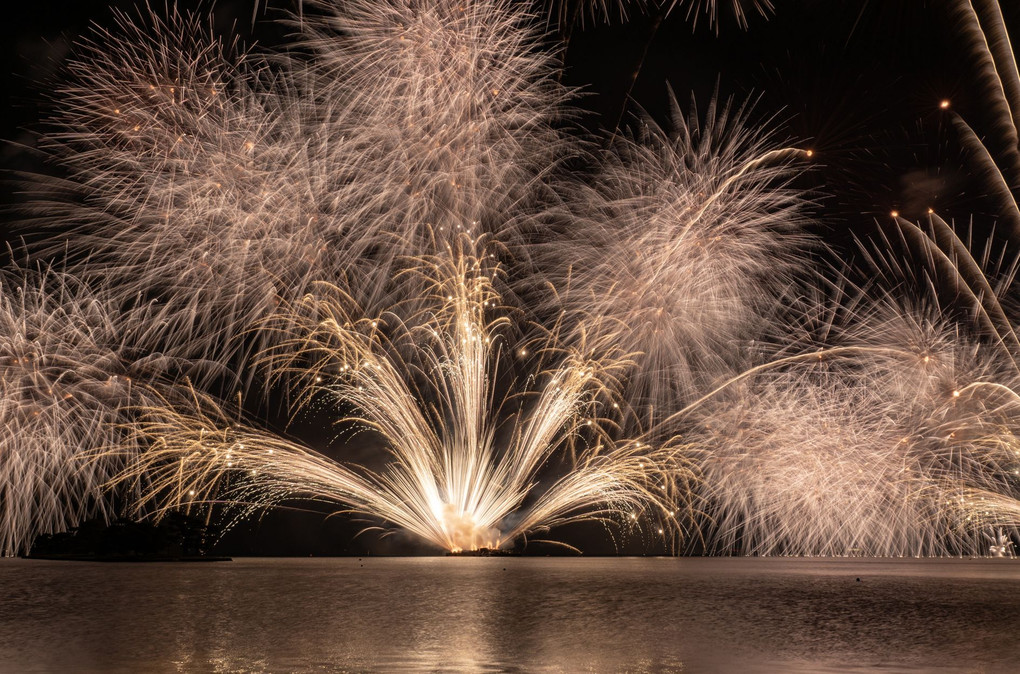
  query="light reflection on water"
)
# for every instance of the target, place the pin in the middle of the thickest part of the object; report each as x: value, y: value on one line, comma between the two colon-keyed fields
x: 511, y: 614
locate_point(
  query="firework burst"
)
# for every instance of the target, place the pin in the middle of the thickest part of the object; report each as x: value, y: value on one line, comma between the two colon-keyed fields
x: 66, y: 378
x: 196, y: 185
x: 476, y: 456
x: 681, y: 250
x: 211, y: 187
x: 890, y: 429
x: 216, y: 184
x: 331, y: 221
x: 447, y: 112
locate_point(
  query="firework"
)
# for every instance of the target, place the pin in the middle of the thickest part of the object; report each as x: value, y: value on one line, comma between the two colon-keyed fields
x: 997, y: 159
x: 334, y: 222
x: 740, y: 9
x: 1001, y: 545
x: 201, y: 186
x: 218, y: 184
x: 447, y: 116
x: 476, y: 458
x: 811, y: 462
x: 215, y: 184
x: 681, y: 250
x: 568, y: 12
x: 898, y: 437
x: 66, y: 378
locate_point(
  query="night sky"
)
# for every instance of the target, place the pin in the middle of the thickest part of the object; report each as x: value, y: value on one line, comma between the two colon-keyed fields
x: 858, y: 81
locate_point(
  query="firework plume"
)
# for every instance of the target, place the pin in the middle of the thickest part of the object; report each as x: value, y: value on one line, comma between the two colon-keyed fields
x: 477, y: 456
x: 878, y: 447
x: 216, y: 184
x: 888, y: 429
x: 443, y: 114
x: 195, y: 184
x: 344, y: 226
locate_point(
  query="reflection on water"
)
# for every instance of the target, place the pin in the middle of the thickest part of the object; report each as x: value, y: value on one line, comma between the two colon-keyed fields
x: 510, y: 614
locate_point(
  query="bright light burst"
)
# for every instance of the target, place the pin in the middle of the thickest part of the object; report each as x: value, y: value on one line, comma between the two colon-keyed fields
x: 903, y: 441
x: 216, y: 184
x: 204, y: 190
x: 478, y: 455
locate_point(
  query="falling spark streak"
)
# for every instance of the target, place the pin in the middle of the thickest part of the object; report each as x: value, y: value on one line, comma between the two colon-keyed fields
x: 566, y: 13
x: 984, y: 27
x: 954, y: 254
x: 710, y: 8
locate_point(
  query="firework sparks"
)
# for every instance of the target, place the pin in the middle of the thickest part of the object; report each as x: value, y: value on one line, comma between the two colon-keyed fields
x: 682, y: 251
x: 203, y: 186
x: 448, y: 119
x: 982, y: 25
x: 65, y: 379
x: 217, y: 184
x: 740, y: 10
x: 468, y: 466
x: 866, y: 455
x: 330, y: 222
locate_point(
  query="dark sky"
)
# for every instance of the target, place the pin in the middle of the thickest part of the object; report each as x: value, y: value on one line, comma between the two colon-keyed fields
x: 859, y: 81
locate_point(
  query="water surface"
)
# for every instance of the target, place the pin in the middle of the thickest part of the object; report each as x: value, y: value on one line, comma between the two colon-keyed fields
x: 511, y: 614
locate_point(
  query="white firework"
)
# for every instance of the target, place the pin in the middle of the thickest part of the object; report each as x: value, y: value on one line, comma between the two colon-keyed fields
x: 475, y: 458
x: 681, y: 250
x: 66, y: 378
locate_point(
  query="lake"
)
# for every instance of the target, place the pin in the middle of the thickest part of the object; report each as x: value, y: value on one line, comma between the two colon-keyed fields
x: 521, y: 614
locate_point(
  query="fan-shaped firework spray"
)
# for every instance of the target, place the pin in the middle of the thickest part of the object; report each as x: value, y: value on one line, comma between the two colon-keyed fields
x: 478, y: 454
